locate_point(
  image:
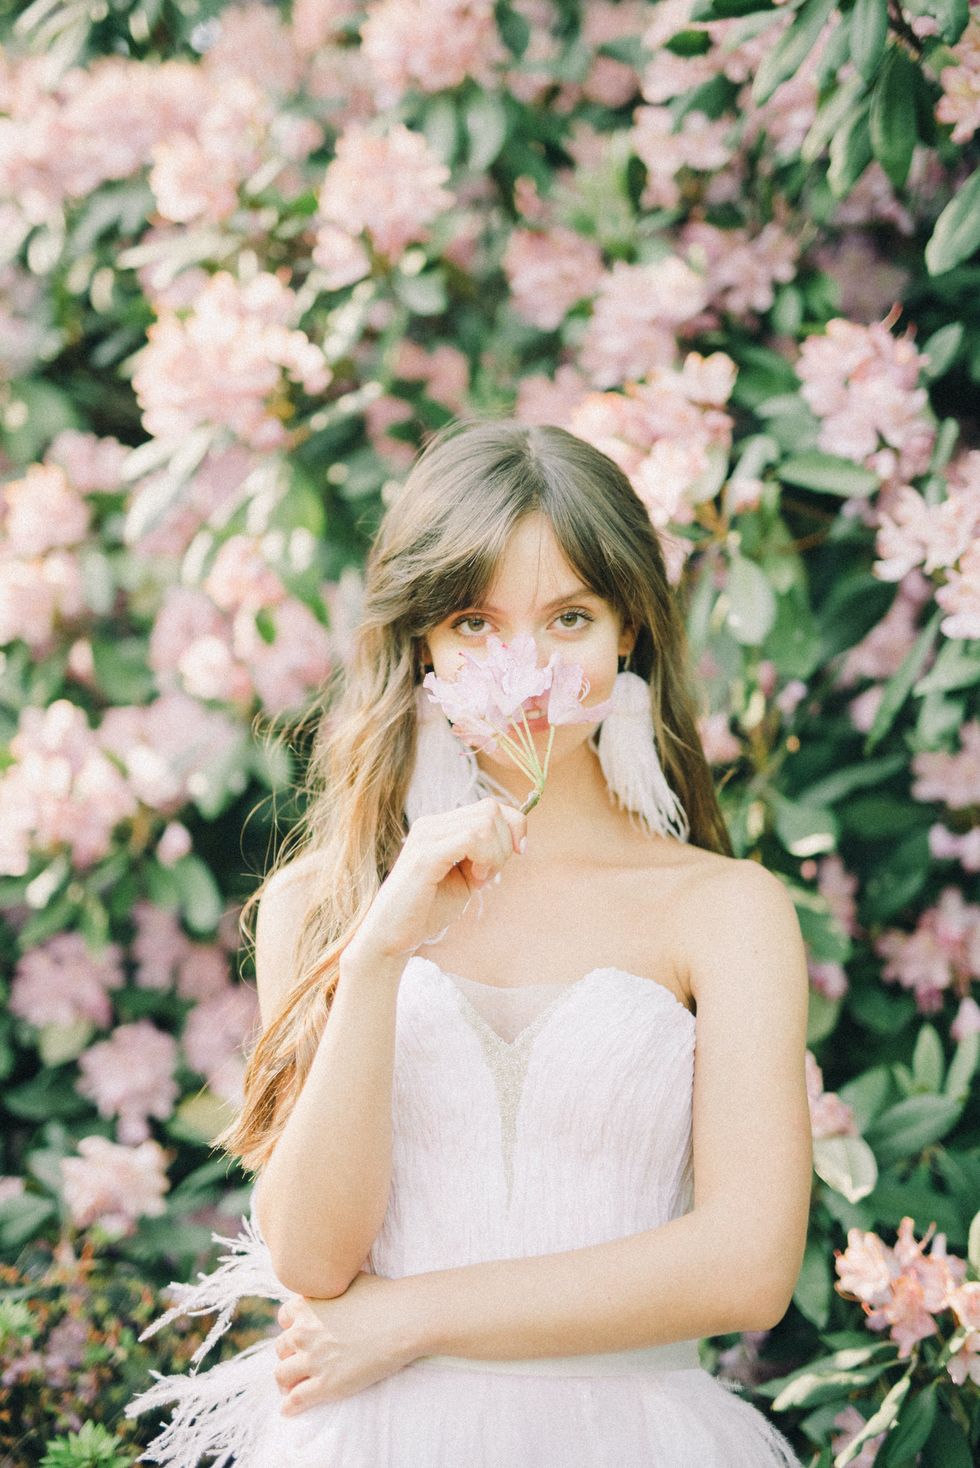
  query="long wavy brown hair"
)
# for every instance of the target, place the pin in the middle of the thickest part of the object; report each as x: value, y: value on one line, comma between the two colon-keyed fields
x: 436, y: 550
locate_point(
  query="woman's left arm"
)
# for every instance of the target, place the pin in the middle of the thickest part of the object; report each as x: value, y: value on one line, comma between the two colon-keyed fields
x: 729, y: 1264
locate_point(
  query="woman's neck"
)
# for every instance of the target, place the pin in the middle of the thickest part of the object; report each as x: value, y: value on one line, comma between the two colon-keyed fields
x: 575, y: 801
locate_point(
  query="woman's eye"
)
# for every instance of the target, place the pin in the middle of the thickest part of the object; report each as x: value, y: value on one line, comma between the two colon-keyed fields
x: 585, y: 615
x: 463, y: 621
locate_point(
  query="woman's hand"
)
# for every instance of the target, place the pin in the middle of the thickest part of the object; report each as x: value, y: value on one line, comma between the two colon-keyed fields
x: 333, y: 1348
x: 446, y: 857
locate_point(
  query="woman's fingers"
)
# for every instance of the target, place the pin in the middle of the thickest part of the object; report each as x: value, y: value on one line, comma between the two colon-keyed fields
x: 290, y: 1372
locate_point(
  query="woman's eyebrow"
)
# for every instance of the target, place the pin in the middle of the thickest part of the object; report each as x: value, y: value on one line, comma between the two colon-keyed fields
x: 570, y: 595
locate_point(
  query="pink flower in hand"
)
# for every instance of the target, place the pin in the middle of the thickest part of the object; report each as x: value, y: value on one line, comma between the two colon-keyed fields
x: 487, y: 700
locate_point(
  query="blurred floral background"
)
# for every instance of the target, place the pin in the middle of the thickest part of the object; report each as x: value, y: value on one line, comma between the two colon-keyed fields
x: 250, y: 255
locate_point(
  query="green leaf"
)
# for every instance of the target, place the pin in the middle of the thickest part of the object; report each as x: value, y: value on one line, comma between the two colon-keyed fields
x: 515, y: 32
x: 879, y: 1421
x: 899, y: 686
x: 814, y: 1285
x: 423, y: 294
x: 957, y: 665
x: 846, y: 1164
x: 791, y: 50
x: 804, y: 830
x: 947, y: 1445
x: 828, y: 474
x: 962, y: 1067
x: 850, y: 152
x: 752, y: 604
x: 957, y: 232
x: 869, y: 31
x: 22, y: 1218
x: 831, y: 115
x: 893, y: 116
x: 973, y: 1244
x: 867, y: 1094
x: 842, y: 783
x: 911, y: 1430
x: 811, y: 1387
x: 928, y: 1059
x: 200, y: 900
x: 122, y: 671
x: 486, y: 122
x: 912, y: 1124
x: 941, y: 349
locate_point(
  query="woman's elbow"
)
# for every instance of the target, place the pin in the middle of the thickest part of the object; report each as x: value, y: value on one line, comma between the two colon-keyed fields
x: 314, y: 1284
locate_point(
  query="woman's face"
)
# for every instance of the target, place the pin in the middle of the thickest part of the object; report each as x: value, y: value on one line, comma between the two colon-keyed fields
x: 537, y: 592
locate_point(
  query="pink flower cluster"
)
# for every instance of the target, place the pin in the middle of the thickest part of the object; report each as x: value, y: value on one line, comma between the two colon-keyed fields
x: 942, y: 535
x: 549, y: 272
x: 168, y: 747
x: 223, y: 363
x: 700, y: 143
x: 62, y: 981
x: 636, y: 317
x: 216, y: 1035
x: 863, y: 384
x: 130, y: 1076
x: 112, y: 1185
x: 942, y: 952
x: 409, y: 46
x: 389, y: 186
x: 829, y: 1115
x: 668, y: 433
x: 881, y: 651
x: 953, y: 778
x: 742, y: 269
x: 44, y: 519
x: 208, y: 641
x: 218, y: 485
x: 960, y: 103
x: 902, y: 1289
x: 61, y: 790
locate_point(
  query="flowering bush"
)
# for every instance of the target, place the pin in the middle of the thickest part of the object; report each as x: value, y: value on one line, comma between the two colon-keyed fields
x: 250, y: 255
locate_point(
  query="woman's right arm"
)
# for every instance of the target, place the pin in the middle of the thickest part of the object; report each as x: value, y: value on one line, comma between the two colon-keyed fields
x: 323, y: 1192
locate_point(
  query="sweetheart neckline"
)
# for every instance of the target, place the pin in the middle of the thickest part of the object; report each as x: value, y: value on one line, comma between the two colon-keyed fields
x: 564, y: 989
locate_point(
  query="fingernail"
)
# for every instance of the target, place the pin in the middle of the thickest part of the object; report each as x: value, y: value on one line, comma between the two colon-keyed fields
x: 523, y: 845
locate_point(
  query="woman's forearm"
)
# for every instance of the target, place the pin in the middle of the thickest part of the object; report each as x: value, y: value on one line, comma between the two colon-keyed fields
x: 696, y: 1276
x: 323, y: 1193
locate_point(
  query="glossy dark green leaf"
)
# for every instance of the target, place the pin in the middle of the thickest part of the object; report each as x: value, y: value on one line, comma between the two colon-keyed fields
x: 894, y: 130
x: 792, y: 48
x: 828, y: 474
x: 850, y: 152
x: 956, y: 236
x: 911, y: 1124
x: 911, y: 1430
x: 898, y: 688
x: 869, y: 31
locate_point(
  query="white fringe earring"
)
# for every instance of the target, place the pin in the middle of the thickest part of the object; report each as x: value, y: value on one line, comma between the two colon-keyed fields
x: 627, y: 749
x: 446, y: 773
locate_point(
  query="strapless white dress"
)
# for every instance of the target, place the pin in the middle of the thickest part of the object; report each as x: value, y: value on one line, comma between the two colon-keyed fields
x: 525, y: 1121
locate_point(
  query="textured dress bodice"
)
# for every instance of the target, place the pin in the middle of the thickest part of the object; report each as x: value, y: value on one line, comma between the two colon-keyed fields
x: 525, y: 1121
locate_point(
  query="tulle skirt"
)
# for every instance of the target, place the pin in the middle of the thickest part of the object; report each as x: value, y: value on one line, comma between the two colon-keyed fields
x: 630, y: 1409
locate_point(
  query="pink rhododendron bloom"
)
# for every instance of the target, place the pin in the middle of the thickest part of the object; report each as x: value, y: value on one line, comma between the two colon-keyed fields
x: 60, y: 790
x: 742, y: 269
x: 964, y: 1301
x: 838, y: 886
x: 900, y: 1288
x: 863, y: 384
x: 215, y: 1036
x: 37, y: 597
x: 943, y: 950
x: 953, y: 779
x: 202, y: 971
x: 166, y: 747
x: 410, y: 46
x: 382, y: 413
x: 253, y: 41
x: 912, y: 531
x: 699, y: 143
x: 828, y: 978
x: 190, y: 647
x: 63, y: 981
x: 11, y: 1187
x: 90, y: 463
x: 298, y: 659
x: 240, y: 575
x: 130, y: 1076
x: 829, y: 1115
x: 159, y: 946
x: 550, y: 400
x: 719, y: 743
x: 488, y: 699
x: 113, y: 1186
x: 967, y: 1021
x: 947, y: 845
x: 174, y: 843
x: 389, y: 184
x: 862, y: 709
x: 549, y: 272
x: 880, y: 653
x: 635, y: 318
x: 960, y: 597
x: 445, y: 371
x: 42, y: 511
x: 960, y: 102
x: 222, y: 363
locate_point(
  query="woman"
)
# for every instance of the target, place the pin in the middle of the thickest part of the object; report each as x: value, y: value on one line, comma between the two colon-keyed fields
x: 498, y: 1194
